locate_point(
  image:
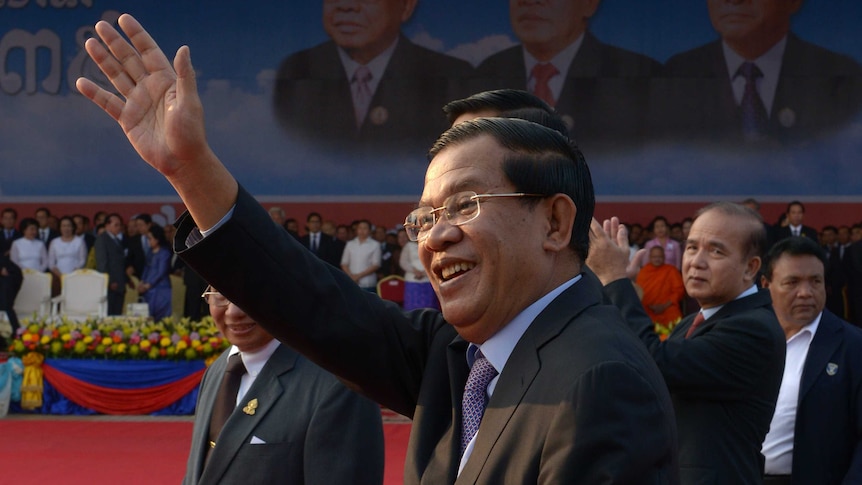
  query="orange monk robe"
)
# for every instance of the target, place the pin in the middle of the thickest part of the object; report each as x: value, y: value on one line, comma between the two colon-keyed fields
x: 661, y: 284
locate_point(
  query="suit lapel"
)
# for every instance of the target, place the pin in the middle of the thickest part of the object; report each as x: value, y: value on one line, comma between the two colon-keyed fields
x: 522, y: 368
x: 826, y: 341
x: 237, y: 430
x: 734, y: 307
x: 203, y: 413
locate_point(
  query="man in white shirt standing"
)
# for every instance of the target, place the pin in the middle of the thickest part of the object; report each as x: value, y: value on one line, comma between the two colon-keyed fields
x: 361, y: 257
x: 816, y: 432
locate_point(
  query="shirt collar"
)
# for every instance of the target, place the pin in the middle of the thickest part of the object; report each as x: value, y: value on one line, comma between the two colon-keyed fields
x: 561, y: 61
x: 499, y: 347
x: 254, y: 361
x: 708, y: 312
x: 810, y: 329
x: 377, y: 65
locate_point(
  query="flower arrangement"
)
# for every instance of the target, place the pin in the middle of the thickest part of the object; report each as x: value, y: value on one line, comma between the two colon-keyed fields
x: 120, y: 338
x: 664, y: 329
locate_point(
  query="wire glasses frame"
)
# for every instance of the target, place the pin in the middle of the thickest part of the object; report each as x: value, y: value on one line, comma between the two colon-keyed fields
x: 459, y: 209
x: 214, y: 298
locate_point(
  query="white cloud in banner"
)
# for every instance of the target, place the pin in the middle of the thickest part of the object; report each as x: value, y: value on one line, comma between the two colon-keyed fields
x: 476, y: 52
x: 428, y: 41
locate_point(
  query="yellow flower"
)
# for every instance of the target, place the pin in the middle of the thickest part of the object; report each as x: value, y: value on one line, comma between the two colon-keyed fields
x: 45, y: 339
x: 107, y: 341
x: 66, y: 337
x: 165, y: 342
x: 88, y: 339
x: 181, y: 345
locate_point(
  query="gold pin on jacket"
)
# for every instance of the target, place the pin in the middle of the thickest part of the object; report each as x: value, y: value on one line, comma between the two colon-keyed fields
x: 250, y: 407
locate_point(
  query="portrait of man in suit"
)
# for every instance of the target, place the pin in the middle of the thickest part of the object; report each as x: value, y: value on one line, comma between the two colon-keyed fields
x: 815, y: 432
x: 265, y: 414
x: 723, y: 364
x: 369, y: 85
x: 599, y: 90
x: 759, y: 82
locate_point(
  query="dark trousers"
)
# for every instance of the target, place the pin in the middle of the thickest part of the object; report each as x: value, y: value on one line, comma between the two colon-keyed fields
x: 115, y: 301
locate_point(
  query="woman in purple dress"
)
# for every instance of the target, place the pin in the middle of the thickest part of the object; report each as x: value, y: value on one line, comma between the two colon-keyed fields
x: 155, y: 284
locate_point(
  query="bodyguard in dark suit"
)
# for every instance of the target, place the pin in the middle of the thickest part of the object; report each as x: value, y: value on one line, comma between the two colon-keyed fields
x: 10, y: 283
x: 794, y: 227
x: 816, y: 433
x: 759, y: 82
x: 292, y: 422
x: 322, y: 245
x: 8, y: 232
x: 111, y: 259
x: 369, y: 86
x: 723, y: 365
x: 601, y: 91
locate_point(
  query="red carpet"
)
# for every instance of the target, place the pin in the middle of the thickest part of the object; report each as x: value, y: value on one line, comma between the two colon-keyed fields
x: 131, y: 451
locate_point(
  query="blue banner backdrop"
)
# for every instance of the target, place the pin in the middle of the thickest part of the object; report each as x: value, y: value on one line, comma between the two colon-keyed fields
x: 656, y: 130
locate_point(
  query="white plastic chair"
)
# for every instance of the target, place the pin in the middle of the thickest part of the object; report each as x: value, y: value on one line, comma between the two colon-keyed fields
x: 34, y: 298
x: 84, y: 295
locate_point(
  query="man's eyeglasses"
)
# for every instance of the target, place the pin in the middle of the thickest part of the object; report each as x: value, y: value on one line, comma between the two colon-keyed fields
x: 215, y: 298
x: 459, y: 209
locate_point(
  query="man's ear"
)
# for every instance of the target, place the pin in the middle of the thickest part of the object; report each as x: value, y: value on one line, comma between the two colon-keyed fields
x: 407, y: 12
x: 752, y: 267
x: 560, y: 211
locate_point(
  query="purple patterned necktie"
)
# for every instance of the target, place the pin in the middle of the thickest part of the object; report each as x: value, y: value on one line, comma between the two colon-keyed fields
x: 754, y: 117
x: 475, y: 397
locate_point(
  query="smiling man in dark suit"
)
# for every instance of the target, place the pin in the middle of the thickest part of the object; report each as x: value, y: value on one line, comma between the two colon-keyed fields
x: 525, y: 377
x: 288, y: 421
x: 601, y: 91
x: 723, y: 365
x: 759, y: 82
x: 816, y: 432
x: 369, y: 85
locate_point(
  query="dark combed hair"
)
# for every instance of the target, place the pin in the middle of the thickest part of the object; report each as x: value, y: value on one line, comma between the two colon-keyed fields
x: 159, y: 235
x: 757, y: 241
x: 542, y: 161
x: 793, y: 246
x: 498, y: 101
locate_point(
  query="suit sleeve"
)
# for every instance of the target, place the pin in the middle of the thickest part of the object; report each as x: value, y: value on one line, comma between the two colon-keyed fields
x: 344, y: 440
x: 314, y: 307
x: 723, y: 362
x: 606, y: 432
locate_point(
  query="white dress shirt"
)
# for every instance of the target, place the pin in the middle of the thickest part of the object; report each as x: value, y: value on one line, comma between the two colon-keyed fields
x: 778, y: 444
x: 253, y: 362
x: 769, y: 64
x: 561, y: 61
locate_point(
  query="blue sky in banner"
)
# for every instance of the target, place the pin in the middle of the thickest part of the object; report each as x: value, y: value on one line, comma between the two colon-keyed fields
x: 57, y: 144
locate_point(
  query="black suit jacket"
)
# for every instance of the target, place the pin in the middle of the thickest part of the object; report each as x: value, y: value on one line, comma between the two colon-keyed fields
x: 137, y: 255
x: 327, y: 250
x: 818, y: 90
x: 313, y: 429
x: 579, y: 401
x: 313, y: 98
x: 784, y: 232
x: 605, y: 95
x: 724, y: 382
x: 827, y: 442
x: 6, y: 243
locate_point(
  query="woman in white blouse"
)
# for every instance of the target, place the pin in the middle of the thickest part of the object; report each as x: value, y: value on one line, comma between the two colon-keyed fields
x: 67, y: 252
x: 418, y: 292
x: 29, y: 251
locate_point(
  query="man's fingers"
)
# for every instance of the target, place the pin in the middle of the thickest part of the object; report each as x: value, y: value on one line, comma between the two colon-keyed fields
x: 109, y: 102
x: 186, y: 82
x: 149, y: 56
x: 623, y: 236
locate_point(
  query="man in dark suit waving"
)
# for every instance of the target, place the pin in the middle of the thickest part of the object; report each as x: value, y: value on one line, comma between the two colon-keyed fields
x: 525, y: 377
x: 816, y: 432
x: 369, y: 86
x: 723, y: 365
